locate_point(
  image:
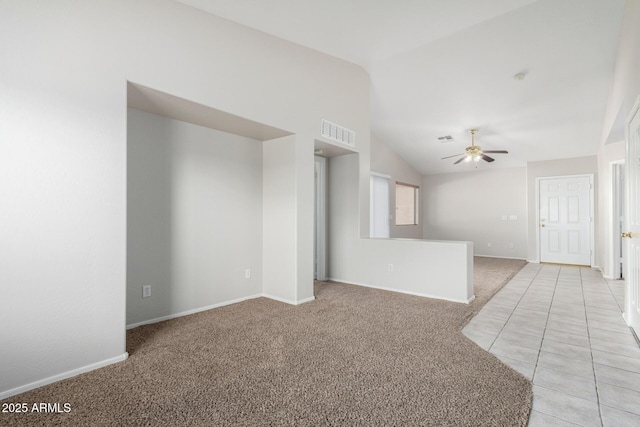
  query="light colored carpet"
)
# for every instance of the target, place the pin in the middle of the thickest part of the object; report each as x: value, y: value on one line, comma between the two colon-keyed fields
x: 355, y: 356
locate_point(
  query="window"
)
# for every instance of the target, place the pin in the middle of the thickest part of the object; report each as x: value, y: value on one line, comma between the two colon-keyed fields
x: 406, y: 204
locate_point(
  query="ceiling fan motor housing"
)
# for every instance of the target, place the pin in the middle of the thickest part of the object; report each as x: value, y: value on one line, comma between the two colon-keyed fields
x: 473, y: 150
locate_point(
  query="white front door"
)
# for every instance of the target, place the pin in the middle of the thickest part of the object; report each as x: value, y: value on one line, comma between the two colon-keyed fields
x: 632, y: 261
x: 565, y: 219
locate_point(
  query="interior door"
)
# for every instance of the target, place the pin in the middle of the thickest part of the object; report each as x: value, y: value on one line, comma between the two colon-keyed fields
x: 565, y: 219
x: 632, y: 261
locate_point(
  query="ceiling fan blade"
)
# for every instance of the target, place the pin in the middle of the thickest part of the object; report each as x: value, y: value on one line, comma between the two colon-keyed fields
x: 459, y: 160
x: 487, y: 158
x: 496, y: 151
x: 448, y: 157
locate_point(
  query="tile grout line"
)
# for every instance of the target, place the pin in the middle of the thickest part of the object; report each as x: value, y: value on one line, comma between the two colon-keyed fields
x: 544, y: 331
x: 593, y: 363
x: 605, y: 382
x: 614, y: 297
x: 633, y: 333
x: 514, y: 309
x: 589, y: 289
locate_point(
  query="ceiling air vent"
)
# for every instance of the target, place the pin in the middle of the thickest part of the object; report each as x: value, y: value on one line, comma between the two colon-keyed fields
x: 445, y: 138
x: 338, y: 133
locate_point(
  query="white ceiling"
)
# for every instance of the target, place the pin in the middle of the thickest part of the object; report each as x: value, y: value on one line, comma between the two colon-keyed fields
x: 441, y: 67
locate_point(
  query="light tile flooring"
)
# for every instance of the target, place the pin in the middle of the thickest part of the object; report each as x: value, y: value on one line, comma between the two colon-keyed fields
x: 562, y: 327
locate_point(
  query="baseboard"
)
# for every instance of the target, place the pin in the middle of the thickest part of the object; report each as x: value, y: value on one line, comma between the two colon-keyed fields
x: 501, y: 257
x: 289, y: 301
x: 418, y: 294
x: 62, y: 376
x: 193, y: 311
x: 604, y: 276
x: 306, y: 300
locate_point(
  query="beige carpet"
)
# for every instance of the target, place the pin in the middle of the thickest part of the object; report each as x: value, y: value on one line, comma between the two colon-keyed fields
x: 355, y: 356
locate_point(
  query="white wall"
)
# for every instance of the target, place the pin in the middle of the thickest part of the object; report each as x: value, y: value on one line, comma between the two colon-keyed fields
x: 194, y: 216
x: 437, y: 269
x: 63, y: 155
x: 625, y: 90
x: 386, y: 161
x: 549, y: 168
x: 626, y: 85
x: 280, y: 216
x: 455, y: 208
x: 472, y: 205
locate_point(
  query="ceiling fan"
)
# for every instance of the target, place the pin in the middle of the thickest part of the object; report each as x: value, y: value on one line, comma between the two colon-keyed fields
x: 475, y: 152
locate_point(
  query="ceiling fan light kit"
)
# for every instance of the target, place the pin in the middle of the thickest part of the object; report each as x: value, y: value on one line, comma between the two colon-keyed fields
x: 474, y: 152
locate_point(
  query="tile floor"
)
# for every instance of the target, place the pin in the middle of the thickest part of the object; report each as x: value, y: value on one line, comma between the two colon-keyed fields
x: 562, y: 327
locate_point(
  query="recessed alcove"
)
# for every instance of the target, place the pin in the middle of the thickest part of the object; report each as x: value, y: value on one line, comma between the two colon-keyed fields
x: 202, y: 188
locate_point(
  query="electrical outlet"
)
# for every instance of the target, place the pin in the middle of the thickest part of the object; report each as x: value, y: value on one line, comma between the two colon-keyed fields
x: 489, y: 244
x: 146, y: 291
x: 510, y: 245
x: 390, y: 267
x: 247, y: 273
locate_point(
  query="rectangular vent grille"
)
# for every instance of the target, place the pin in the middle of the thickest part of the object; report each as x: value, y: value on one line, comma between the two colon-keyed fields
x: 338, y: 133
x: 445, y: 138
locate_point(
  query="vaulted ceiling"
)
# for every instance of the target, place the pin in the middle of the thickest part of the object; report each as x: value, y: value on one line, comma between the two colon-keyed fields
x: 442, y: 67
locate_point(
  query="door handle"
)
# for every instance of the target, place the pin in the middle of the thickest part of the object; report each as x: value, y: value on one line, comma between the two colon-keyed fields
x: 541, y: 225
x: 629, y: 235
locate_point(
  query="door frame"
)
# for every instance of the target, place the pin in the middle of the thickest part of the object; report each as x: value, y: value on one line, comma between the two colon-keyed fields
x: 591, y: 212
x: 618, y: 195
x: 320, y: 222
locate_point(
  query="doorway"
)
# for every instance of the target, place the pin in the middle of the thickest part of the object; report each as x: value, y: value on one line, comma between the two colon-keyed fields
x: 565, y: 219
x: 379, y: 205
x: 617, y: 220
x: 320, y: 219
